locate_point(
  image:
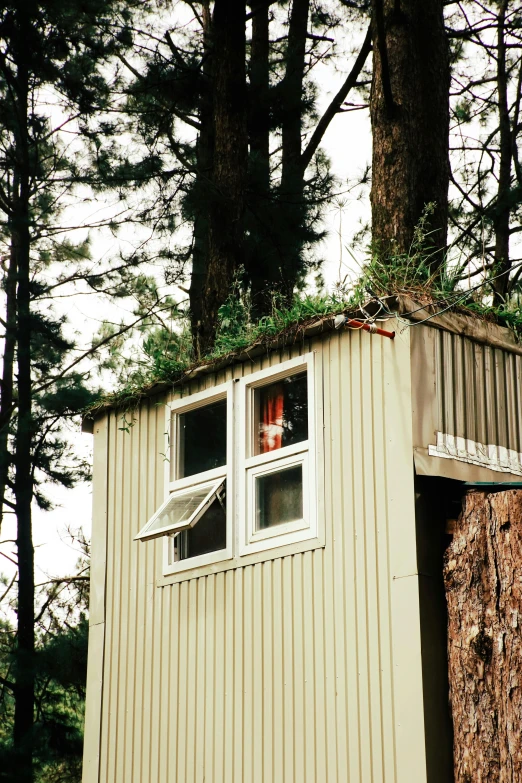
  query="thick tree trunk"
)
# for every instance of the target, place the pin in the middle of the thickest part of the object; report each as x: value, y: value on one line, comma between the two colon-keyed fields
x: 483, y: 581
x: 503, y: 207
x: 292, y: 174
x: 409, y: 109
x: 262, y: 266
x: 229, y: 169
x: 204, y: 156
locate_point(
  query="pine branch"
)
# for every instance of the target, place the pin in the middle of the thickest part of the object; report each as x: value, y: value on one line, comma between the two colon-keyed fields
x: 11, y: 583
x: 94, y: 349
x: 7, y: 684
x: 335, y: 105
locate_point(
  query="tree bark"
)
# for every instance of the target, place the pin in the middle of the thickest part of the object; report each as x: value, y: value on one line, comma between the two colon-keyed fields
x: 409, y: 108
x: 229, y: 166
x: 503, y: 206
x: 204, y: 157
x: 483, y: 582
x: 23, y: 482
x: 262, y: 267
x: 292, y: 174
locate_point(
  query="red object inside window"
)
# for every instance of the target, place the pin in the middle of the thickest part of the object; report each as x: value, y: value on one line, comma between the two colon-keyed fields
x: 271, y: 418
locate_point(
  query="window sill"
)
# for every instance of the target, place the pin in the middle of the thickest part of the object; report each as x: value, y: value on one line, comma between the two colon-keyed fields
x: 241, y: 562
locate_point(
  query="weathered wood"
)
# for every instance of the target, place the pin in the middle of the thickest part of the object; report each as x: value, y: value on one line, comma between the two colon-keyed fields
x: 483, y: 581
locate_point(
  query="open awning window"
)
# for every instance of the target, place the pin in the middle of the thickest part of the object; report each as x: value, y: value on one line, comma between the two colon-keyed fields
x: 182, y: 510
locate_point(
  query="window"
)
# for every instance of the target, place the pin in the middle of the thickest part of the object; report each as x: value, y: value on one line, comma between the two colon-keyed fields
x: 194, y: 515
x: 241, y: 470
x: 277, y: 458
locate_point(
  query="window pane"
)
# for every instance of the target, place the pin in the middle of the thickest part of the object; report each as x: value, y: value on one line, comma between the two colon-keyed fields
x: 281, y: 413
x: 202, y: 439
x: 208, y: 535
x: 279, y: 497
x: 179, y: 509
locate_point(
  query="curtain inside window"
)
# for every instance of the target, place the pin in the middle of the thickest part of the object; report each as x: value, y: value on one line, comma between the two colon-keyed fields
x: 271, y: 418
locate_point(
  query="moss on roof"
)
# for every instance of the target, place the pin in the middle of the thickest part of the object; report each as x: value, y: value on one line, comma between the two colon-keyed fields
x: 310, y: 317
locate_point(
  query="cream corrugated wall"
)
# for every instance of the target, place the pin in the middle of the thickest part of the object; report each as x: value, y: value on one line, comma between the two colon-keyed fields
x: 301, y: 668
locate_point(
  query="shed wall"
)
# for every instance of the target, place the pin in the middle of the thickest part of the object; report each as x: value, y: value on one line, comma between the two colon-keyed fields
x: 305, y: 667
x: 467, y: 399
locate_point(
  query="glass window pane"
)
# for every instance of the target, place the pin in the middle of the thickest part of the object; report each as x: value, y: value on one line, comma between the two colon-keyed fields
x: 179, y: 509
x: 279, y: 497
x: 202, y: 439
x: 208, y: 535
x: 281, y: 413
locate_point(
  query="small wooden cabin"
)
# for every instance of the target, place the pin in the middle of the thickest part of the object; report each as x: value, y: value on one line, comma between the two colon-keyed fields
x: 266, y: 587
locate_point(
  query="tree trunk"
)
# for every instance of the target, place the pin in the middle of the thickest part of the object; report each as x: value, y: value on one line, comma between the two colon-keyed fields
x: 229, y: 169
x: 292, y: 174
x: 503, y: 206
x: 204, y: 155
x: 262, y: 266
x: 483, y: 582
x: 409, y: 108
x: 23, y: 484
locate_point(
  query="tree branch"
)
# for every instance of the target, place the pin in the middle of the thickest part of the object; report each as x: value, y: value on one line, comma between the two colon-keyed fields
x: 335, y: 105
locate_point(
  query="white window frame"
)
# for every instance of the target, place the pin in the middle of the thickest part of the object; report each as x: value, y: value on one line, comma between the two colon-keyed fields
x: 251, y: 466
x: 212, y: 492
x: 173, y: 484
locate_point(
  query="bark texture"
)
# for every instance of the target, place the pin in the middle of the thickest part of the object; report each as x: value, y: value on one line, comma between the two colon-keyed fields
x: 409, y: 109
x: 502, y: 215
x: 483, y: 582
x: 229, y: 165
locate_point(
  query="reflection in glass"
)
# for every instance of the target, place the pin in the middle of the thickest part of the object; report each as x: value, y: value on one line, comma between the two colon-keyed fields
x: 208, y: 535
x: 179, y: 509
x: 202, y: 439
x: 281, y: 413
x: 279, y: 497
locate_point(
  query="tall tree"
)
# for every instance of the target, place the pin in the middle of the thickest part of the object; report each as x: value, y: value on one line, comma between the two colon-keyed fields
x: 409, y: 109
x: 285, y: 179
x: 228, y: 174
x: 60, y: 49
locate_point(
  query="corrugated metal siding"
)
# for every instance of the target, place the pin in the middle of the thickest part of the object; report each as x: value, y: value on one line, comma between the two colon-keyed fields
x: 480, y: 391
x: 300, y: 668
x: 467, y: 405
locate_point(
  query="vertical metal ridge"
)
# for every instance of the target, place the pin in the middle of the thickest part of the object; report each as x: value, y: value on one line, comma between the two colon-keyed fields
x: 391, y: 766
x: 478, y: 392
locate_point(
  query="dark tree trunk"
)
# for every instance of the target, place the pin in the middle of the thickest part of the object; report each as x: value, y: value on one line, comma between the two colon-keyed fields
x: 292, y: 174
x: 229, y: 167
x: 483, y: 581
x: 261, y: 268
x: 409, y: 109
x: 204, y: 156
x: 23, y: 484
x: 503, y: 206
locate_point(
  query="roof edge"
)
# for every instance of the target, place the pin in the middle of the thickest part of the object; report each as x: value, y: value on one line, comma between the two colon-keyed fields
x: 475, y: 328
x: 470, y: 326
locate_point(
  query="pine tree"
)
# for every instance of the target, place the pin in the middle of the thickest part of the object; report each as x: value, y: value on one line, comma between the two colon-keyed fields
x: 179, y: 104
x: 58, y: 49
x: 409, y: 108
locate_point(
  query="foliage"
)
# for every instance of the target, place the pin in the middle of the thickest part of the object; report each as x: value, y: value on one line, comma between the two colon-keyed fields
x: 61, y: 665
